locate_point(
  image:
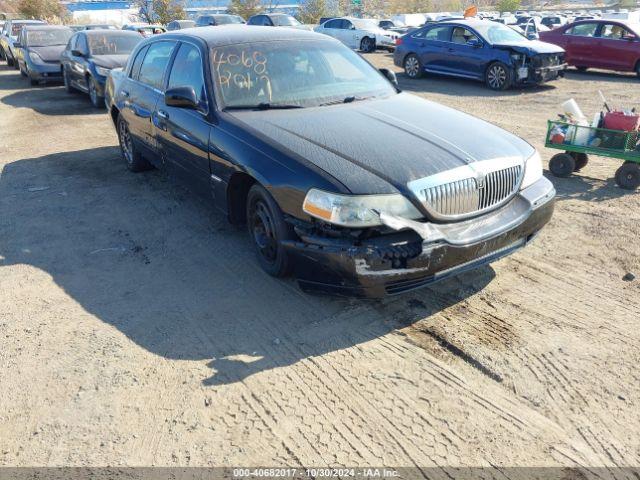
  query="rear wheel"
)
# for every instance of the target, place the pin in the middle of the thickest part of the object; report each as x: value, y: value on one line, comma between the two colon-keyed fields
x: 268, y: 230
x: 562, y: 165
x: 638, y: 68
x: 367, y: 45
x: 135, y: 161
x: 628, y: 176
x: 499, y: 76
x: 580, y: 159
x: 412, y: 66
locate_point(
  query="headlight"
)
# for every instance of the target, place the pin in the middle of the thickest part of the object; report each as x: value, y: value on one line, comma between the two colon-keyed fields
x: 532, y: 170
x: 516, y: 57
x: 356, y: 211
x: 103, y: 71
x: 35, y: 58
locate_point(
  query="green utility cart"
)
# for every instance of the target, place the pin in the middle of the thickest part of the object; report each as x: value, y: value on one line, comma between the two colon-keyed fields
x: 578, y: 142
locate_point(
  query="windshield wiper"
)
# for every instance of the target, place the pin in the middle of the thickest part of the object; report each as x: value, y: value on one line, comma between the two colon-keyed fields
x: 263, y: 106
x: 349, y: 99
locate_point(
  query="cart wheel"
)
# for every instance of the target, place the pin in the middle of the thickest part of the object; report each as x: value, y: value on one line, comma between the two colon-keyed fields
x: 581, y: 160
x: 562, y: 165
x: 628, y: 176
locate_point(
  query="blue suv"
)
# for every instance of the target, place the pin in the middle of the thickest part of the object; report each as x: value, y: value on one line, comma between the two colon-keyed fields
x: 481, y: 50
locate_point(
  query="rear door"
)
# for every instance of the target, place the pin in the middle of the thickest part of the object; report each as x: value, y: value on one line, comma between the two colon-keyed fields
x: 332, y: 28
x: 581, y: 44
x: 434, y: 48
x: 616, y: 46
x: 144, y: 94
x: 183, y: 133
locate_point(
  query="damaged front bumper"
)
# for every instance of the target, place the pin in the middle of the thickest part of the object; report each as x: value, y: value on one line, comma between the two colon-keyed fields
x: 532, y: 75
x: 420, y: 253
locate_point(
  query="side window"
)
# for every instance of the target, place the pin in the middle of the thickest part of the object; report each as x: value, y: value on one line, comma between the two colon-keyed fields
x: 462, y: 36
x: 187, y: 71
x: 583, y: 30
x: 155, y: 63
x: 72, y: 42
x: 420, y: 33
x: 81, y: 44
x: 347, y: 25
x: 332, y: 24
x: 440, y: 34
x: 613, y: 31
x: 135, y: 67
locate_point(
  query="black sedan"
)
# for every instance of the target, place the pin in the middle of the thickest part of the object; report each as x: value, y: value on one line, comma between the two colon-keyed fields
x: 38, y: 51
x: 89, y: 57
x: 355, y: 187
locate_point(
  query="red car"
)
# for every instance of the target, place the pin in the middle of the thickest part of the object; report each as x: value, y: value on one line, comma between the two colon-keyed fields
x: 606, y: 44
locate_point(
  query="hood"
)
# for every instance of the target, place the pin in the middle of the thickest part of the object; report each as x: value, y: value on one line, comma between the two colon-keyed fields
x: 110, y: 61
x: 378, y: 146
x: 299, y: 27
x: 531, y: 47
x: 49, y: 54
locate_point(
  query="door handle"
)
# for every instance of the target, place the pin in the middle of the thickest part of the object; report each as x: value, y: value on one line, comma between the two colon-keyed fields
x: 162, y: 114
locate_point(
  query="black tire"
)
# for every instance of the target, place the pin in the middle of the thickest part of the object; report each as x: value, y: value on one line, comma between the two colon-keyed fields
x: 638, y: 69
x: 268, y: 229
x: 628, y: 176
x: 367, y: 45
x: 2, y: 55
x: 135, y: 161
x: 562, y: 165
x: 581, y: 69
x: 412, y: 66
x: 67, y: 81
x: 498, y: 76
x: 580, y: 159
x: 33, y: 82
x: 96, y: 100
x: 9, y: 61
x: 22, y: 72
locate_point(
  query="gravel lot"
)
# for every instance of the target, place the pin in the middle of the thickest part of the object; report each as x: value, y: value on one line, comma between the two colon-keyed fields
x: 137, y: 329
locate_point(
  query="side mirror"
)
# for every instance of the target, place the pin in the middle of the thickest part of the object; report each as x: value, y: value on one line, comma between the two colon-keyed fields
x: 389, y: 75
x: 475, y: 43
x: 77, y: 53
x: 181, y: 97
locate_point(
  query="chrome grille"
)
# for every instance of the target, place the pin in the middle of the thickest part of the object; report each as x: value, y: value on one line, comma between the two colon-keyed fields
x: 468, y: 190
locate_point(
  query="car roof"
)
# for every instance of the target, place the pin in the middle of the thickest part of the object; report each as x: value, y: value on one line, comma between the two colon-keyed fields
x: 106, y: 31
x: 44, y: 26
x: 35, y: 22
x: 472, y: 22
x: 235, y: 34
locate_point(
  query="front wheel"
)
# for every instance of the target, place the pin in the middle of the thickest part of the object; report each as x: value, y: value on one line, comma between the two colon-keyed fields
x: 135, y: 161
x: 412, y: 66
x: 499, y: 76
x: 96, y: 100
x: 628, y: 176
x: 268, y: 230
x: 562, y: 165
x: 367, y: 45
x: 67, y: 81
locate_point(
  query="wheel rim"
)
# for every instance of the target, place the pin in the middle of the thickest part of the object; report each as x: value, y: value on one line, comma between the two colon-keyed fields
x: 497, y: 76
x: 412, y: 66
x: 366, y: 44
x: 264, y: 235
x: 125, y: 143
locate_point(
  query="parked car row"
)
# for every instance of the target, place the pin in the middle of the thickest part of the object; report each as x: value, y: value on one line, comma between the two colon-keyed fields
x: 263, y: 121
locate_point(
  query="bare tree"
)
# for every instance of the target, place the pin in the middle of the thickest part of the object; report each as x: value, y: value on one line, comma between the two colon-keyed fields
x: 244, y: 8
x: 48, y: 9
x: 311, y: 10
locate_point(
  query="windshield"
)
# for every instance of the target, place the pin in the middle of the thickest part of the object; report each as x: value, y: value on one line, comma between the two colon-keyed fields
x: 285, y: 21
x: 362, y: 24
x: 305, y: 74
x: 228, y: 19
x: 112, y: 44
x: 499, y: 33
x: 48, y: 38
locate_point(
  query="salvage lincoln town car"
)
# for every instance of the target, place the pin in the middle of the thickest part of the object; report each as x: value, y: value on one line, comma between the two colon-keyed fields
x: 354, y: 187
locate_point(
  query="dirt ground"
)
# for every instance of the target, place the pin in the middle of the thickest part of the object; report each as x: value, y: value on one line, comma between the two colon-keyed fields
x: 136, y: 328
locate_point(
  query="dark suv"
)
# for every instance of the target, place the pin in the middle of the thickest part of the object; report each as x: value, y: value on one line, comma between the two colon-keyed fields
x: 218, y: 19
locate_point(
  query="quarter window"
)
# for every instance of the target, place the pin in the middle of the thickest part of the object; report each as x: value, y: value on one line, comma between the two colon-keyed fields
x: 583, y: 30
x: 135, y: 68
x: 155, y: 63
x: 187, y: 71
x: 614, y: 31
